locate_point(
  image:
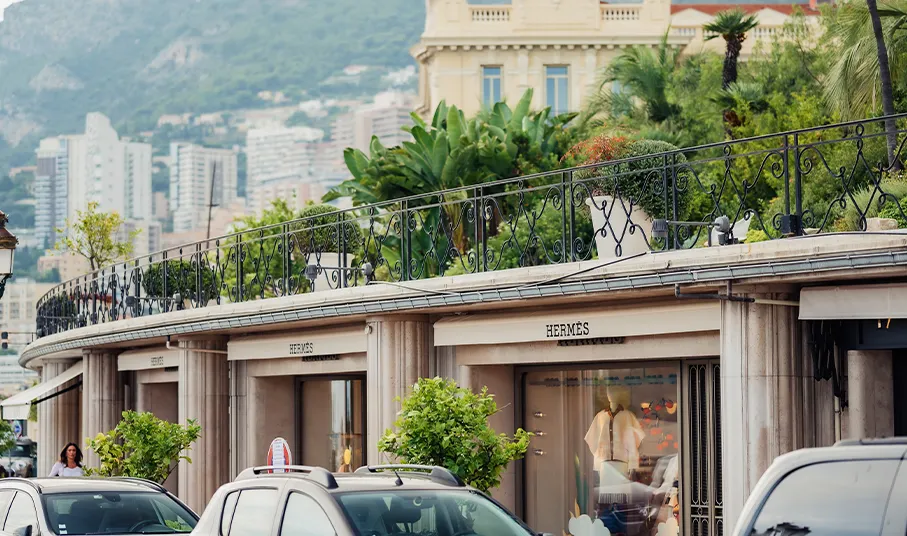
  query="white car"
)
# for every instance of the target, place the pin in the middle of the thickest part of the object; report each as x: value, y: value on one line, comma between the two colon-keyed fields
x: 856, y: 488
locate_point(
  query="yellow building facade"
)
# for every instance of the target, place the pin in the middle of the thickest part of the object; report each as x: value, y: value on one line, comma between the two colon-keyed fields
x: 474, y: 53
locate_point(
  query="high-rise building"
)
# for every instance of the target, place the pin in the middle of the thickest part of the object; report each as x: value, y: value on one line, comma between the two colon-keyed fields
x: 51, y: 189
x: 17, y: 317
x: 92, y: 167
x: 191, y: 170
x: 385, y: 118
x: 278, y: 155
x: 474, y: 53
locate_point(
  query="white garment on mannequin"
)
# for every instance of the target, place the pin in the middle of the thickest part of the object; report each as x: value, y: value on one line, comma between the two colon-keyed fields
x: 627, y: 436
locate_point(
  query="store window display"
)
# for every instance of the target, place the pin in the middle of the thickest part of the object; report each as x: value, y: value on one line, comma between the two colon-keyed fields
x: 605, y: 453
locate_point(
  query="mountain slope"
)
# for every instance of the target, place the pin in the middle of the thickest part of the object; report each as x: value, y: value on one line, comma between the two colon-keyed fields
x: 137, y: 59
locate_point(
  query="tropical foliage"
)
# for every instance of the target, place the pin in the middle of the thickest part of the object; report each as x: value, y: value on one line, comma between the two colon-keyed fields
x: 445, y: 425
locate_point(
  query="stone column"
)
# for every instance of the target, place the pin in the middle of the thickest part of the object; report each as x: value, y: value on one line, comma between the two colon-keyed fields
x: 398, y: 355
x: 761, y: 388
x: 59, y: 418
x: 870, y: 394
x: 204, y: 396
x: 102, y: 397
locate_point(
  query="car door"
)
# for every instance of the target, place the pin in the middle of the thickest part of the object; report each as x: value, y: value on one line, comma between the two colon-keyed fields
x: 896, y: 513
x: 251, y: 511
x: 22, y: 517
x: 834, y: 498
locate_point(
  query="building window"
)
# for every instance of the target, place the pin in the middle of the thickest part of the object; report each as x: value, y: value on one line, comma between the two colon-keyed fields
x: 557, y: 88
x: 491, y: 85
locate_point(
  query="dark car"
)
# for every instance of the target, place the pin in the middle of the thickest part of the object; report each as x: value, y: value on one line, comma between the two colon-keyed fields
x: 856, y: 488
x: 79, y: 506
x: 403, y: 500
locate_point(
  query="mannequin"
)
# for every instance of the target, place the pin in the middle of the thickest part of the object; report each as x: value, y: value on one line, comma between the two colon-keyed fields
x: 615, y: 435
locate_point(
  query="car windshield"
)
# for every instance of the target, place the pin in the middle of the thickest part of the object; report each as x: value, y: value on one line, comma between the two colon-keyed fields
x: 435, y: 513
x: 116, y: 513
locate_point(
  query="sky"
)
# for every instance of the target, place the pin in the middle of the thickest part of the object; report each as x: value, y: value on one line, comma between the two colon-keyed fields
x: 4, y: 4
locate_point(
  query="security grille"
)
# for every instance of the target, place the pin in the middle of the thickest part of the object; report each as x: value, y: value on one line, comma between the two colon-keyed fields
x: 704, y: 501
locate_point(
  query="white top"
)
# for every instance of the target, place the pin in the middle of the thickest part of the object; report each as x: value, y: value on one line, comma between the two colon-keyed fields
x: 618, y: 440
x: 61, y: 470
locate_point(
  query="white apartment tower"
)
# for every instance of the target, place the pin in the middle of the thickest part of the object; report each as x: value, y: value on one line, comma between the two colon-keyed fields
x: 385, y: 118
x: 51, y: 188
x: 191, y: 170
x: 278, y: 155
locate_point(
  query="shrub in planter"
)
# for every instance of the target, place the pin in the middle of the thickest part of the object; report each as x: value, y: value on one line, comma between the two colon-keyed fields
x: 182, y: 279
x: 320, y: 231
x: 640, y: 180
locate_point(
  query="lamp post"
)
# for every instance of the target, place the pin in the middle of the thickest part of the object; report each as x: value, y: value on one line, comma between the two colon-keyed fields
x: 8, y: 244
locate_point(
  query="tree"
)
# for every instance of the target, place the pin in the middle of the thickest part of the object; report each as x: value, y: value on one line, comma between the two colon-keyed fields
x: 885, y: 79
x: 94, y: 235
x: 7, y: 437
x: 143, y: 446
x: 732, y: 26
x: 442, y: 424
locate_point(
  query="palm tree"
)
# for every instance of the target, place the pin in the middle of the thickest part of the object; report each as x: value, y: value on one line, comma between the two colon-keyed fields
x: 856, y: 80
x: 640, y: 76
x: 885, y: 78
x: 732, y: 26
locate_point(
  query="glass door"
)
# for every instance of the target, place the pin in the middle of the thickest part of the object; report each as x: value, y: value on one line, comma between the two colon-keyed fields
x: 605, y: 455
x: 331, y: 423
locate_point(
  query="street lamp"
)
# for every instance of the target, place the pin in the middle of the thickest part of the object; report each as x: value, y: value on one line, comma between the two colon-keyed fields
x: 8, y: 244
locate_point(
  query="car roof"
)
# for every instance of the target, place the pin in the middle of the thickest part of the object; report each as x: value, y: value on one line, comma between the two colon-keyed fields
x: 48, y: 485
x: 369, y: 478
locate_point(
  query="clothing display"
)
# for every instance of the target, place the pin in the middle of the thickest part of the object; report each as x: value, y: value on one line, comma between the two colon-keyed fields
x: 615, y: 437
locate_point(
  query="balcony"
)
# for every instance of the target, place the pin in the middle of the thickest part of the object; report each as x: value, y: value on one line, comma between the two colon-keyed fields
x: 490, y: 14
x: 688, y: 199
x: 620, y: 13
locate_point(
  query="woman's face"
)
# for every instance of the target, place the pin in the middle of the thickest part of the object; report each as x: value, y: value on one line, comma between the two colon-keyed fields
x: 71, y: 453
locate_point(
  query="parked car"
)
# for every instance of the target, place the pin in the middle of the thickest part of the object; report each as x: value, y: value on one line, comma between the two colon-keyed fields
x: 79, y: 506
x: 21, y: 460
x: 856, y: 488
x: 403, y: 500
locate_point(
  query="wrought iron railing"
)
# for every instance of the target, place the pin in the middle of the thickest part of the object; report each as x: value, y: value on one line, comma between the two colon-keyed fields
x: 805, y: 181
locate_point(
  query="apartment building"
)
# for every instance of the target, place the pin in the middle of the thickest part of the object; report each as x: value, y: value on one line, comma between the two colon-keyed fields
x: 192, y: 168
x: 96, y: 166
x: 278, y: 155
x: 385, y: 118
x: 17, y: 317
x: 477, y: 52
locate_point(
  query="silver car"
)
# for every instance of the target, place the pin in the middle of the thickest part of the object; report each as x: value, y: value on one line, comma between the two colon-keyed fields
x: 856, y: 488
x: 80, y: 506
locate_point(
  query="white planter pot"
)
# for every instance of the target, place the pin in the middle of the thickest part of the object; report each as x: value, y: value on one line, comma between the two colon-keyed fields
x: 610, y: 215
x: 330, y: 277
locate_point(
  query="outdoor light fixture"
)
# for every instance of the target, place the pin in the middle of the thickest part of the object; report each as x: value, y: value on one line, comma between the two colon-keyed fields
x: 311, y: 271
x: 722, y: 224
x: 8, y: 244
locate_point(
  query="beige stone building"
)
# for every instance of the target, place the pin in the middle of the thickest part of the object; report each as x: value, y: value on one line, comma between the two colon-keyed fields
x: 475, y: 52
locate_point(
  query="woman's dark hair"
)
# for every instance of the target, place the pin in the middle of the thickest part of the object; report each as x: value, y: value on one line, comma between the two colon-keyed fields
x: 63, y: 459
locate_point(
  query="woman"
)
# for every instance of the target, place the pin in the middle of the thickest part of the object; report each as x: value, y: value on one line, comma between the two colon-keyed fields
x: 70, y: 463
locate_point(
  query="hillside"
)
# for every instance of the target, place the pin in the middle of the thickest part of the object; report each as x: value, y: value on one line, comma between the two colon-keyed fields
x: 135, y: 60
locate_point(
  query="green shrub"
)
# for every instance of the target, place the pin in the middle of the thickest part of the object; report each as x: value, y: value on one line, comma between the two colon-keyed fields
x: 319, y: 231
x: 867, y: 200
x: 182, y: 279
x: 641, y: 180
x: 442, y: 424
x: 891, y: 211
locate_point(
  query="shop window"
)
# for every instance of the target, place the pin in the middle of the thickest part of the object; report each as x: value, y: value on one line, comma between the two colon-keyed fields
x: 332, y: 431
x: 605, y: 453
x: 811, y: 500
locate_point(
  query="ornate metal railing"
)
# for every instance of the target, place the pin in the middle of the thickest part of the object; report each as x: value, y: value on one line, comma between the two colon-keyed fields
x: 806, y: 181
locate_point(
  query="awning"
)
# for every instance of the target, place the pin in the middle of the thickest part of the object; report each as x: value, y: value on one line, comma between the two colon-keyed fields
x: 857, y: 302
x: 157, y: 358
x: 17, y: 406
x: 306, y: 344
x: 575, y: 324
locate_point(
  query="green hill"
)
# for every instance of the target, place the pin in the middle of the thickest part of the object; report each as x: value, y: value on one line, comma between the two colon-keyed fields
x: 137, y: 59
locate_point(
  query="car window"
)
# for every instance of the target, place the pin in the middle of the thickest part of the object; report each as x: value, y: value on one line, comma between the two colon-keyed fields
x: 439, y: 513
x: 845, y: 498
x: 227, y: 515
x: 255, y: 509
x: 22, y: 514
x: 80, y: 513
x: 6, y: 497
x: 304, y: 517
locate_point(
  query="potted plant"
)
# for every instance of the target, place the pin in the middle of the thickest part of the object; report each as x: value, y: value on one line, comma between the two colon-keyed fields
x: 329, y: 239
x: 625, y: 197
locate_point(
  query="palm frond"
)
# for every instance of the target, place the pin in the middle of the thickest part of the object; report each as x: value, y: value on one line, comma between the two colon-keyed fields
x: 733, y: 22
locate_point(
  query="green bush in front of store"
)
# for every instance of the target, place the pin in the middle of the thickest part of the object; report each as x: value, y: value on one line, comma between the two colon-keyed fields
x: 442, y: 424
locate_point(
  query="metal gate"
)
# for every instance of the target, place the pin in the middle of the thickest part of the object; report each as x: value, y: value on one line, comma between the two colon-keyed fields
x: 703, y: 501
